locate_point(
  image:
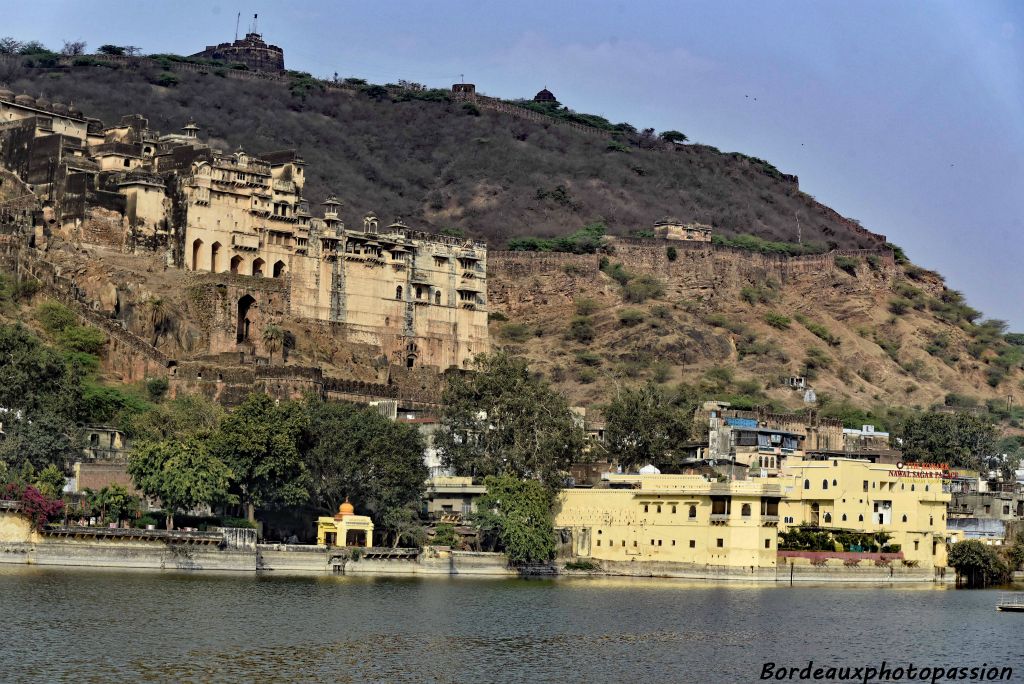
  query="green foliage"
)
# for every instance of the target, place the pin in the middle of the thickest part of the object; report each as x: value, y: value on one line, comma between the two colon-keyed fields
x: 813, y: 539
x: 631, y: 317
x: 33, y: 377
x: 445, y: 535
x: 257, y: 442
x: 103, y: 404
x: 581, y: 329
x: 671, y: 253
x: 589, y: 358
x: 516, y: 332
x: 899, y: 306
x: 109, y: 49
x: 673, y: 137
x: 723, y: 321
x: 166, y: 79
x: 647, y: 425
x: 183, y: 474
x: 979, y: 564
x: 616, y: 146
x: 642, y: 288
x: 586, y: 240
x: 352, y: 452
x: 55, y: 317
x: 85, y: 339
x: 898, y: 254
x: 760, y: 293
x: 847, y: 264
x: 176, y: 419
x: 587, y: 306
x: 818, y: 330
x: 960, y: 439
x: 753, y: 243
x: 156, y: 388
x: 517, y: 514
x: 50, y: 481
x: 498, y: 316
x: 584, y: 565
x: 504, y: 420
x: 777, y: 320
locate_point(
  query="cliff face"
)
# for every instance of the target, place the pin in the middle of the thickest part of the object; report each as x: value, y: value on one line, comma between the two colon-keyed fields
x: 744, y: 322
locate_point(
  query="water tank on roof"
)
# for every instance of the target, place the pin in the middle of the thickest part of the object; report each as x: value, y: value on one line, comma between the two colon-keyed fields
x: 649, y: 470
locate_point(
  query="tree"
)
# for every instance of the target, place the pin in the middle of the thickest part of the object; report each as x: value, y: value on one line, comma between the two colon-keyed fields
x: 978, y: 563
x: 188, y: 415
x: 273, y: 340
x: 42, y: 440
x: 354, y: 452
x: 50, y: 481
x: 445, y: 535
x: 517, y: 514
x: 111, y: 50
x: 258, y: 441
x: 183, y: 474
x: 673, y: 137
x: 73, y: 47
x: 33, y: 47
x: 646, y: 425
x: 33, y: 377
x: 959, y: 439
x: 9, y: 46
x: 119, y: 504
x: 503, y: 420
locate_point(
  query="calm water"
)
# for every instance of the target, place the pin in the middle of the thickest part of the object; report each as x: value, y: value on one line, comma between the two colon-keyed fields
x: 96, y: 626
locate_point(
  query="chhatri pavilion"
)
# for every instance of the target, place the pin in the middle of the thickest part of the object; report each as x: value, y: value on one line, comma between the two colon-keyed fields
x: 345, y: 528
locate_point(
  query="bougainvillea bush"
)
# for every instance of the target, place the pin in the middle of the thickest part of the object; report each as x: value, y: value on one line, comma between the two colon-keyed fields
x: 35, y: 505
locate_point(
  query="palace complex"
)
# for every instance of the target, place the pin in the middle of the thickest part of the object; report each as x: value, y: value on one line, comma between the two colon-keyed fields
x: 418, y: 299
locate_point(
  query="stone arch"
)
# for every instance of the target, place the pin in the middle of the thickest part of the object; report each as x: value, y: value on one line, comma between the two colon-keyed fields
x: 245, y: 304
x: 278, y: 269
x: 237, y: 264
x: 411, y: 353
x: 257, y: 267
x: 398, y: 292
x: 197, y: 246
x: 828, y: 517
x: 745, y: 510
x: 214, y: 257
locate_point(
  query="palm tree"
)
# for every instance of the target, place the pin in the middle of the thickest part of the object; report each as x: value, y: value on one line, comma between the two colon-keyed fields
x: 273, y: 339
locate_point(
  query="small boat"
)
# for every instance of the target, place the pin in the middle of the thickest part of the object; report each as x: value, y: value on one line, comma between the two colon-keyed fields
x: 1011, y: 603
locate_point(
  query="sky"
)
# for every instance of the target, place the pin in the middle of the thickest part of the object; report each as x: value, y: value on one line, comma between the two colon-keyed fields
x: 907, y: 116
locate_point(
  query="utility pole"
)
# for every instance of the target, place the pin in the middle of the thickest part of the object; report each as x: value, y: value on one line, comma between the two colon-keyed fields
x: 237, y: 20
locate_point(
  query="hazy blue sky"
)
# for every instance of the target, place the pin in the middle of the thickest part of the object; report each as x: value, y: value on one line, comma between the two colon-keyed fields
x: 908, y: 116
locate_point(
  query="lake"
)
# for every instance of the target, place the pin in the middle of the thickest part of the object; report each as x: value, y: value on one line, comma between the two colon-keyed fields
x: 97, y: 626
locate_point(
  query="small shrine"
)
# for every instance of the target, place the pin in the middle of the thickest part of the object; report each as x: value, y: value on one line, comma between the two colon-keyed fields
x: 345, y: 528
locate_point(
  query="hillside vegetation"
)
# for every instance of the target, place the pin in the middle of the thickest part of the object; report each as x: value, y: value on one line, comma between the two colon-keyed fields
x: 445, y: 165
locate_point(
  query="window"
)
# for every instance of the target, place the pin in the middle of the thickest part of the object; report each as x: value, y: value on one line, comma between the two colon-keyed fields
x: 645, y: 508
x: 767, y: 543
x: 745, y: 510
x: 1006, y: 510
x: 623, y: 542
x: 911, y: 487
x: 419, y: 292
x: 904, y: 517
x: 634, y: 543
x: 865, y: 485
x: 860, y: 518
x: 673, y: 508
x: 437, y: 297
x: 693, y: 544
x: 673, y: 542
x: 652, y: 542
x: 598, y: 542
x: 659, y: 509
x: 659, y: 542
x: 807, y: 484
x: 926, y: 488
x: 720, y: 543
x: 844, y: 517
x: 828, y: 517
x: 398, y: 292
x: 824, y: 484
x: 693, y: 512
x: 917, y: 544
x: 931, y: 521
x: 835, y: 483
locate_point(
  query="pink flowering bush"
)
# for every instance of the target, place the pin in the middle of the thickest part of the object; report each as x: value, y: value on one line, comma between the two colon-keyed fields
x: 35, y: 505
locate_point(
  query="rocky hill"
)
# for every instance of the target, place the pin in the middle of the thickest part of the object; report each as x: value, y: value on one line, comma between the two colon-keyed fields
x: 443, y: 164
x: 863, y: 327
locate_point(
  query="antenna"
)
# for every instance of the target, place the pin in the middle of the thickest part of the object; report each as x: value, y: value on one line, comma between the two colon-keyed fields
x: 254, y: 17
x: 237, y: 20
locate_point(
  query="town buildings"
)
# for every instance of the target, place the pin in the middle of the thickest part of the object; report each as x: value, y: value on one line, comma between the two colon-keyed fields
x: 673, y: 518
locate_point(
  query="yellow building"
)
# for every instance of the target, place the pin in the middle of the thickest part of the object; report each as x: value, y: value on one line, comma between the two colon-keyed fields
x: 345, y: 528
x: 907, y: 502
x: 674, y: 518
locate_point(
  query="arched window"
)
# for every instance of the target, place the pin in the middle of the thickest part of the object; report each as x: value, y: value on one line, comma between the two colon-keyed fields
x: 926, y: 488
x: 236, y: 264
x: 860, y: 518
x: 835, y: 483
x: 257, y: 267
x: 828, y: 517
x: 844, y: 517
x: 214, y: 257
x: 931, y: 520
x: 904, y: 519
x: 244, y: 304
x: 911, y: 487
x: 437, y: 297
x: 196, y: 246
x: 398, y: 292
x: 278, y: 269
x: 419, y: 292
x: 692, y: 513
x: 824, y: 484
x: 807, y: 484
x: 745, y: 510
